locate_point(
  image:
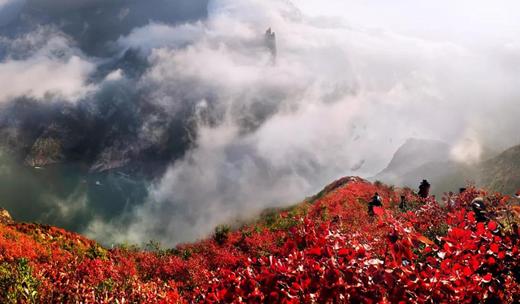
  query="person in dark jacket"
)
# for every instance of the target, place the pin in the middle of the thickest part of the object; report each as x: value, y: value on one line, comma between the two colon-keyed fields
x: 479, y: 208
x: 424, y: 189
x: 375, y: 202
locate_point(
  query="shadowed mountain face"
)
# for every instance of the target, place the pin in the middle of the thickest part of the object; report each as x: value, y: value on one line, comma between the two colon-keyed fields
x: 103, y: 133
x: 502, y: 173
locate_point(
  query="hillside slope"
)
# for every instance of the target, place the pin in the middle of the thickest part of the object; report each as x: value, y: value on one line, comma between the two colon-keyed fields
x: 323, y: 250
x: 502, y: 173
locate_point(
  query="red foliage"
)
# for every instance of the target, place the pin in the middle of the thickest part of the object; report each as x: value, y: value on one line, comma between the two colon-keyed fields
x: 327, y: 251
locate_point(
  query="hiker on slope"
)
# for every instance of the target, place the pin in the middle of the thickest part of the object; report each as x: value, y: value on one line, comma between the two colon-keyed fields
x: 479, y: 208
x: 375, y: 202
x: 424, y: 189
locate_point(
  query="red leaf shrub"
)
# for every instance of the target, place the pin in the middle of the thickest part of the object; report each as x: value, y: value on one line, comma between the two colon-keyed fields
x: 326, y: 250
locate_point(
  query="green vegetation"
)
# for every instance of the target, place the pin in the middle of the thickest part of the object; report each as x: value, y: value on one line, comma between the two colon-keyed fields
x: 17, y: 284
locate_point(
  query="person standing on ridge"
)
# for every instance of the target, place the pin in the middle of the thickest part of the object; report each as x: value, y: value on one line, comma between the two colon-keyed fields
x: 375, y: 202
x: 424, y: 189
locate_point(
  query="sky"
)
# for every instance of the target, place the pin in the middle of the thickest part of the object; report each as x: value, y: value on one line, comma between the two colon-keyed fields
x: 352, y: 80
x: 447, y: 20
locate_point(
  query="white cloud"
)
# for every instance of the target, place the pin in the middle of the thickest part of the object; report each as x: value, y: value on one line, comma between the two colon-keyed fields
x: 42, y: 77
x: 462, y: 21
x: 468, y: 149
x: 157, y: 34
x: 44, y: 65
x: 337, y: 96
x: 115, y: 75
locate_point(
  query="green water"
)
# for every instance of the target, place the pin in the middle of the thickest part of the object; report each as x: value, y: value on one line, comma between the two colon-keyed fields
x: 66, y: 195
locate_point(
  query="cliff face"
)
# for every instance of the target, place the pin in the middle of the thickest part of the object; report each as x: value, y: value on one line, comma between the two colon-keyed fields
x: 104, y: 135
x: 45, y: 151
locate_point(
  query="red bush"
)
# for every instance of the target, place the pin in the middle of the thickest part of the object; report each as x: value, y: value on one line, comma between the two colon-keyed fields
x: 325, y: 251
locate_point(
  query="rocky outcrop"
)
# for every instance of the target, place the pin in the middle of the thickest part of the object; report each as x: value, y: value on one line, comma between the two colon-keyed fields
x: 45, y: 151
x: 270, y: 43
x: 5, y: 217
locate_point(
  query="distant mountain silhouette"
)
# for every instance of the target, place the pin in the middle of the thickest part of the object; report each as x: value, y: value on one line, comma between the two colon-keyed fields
x: 413, y: 159
x: 419, y: 159
x: 412, y: 154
